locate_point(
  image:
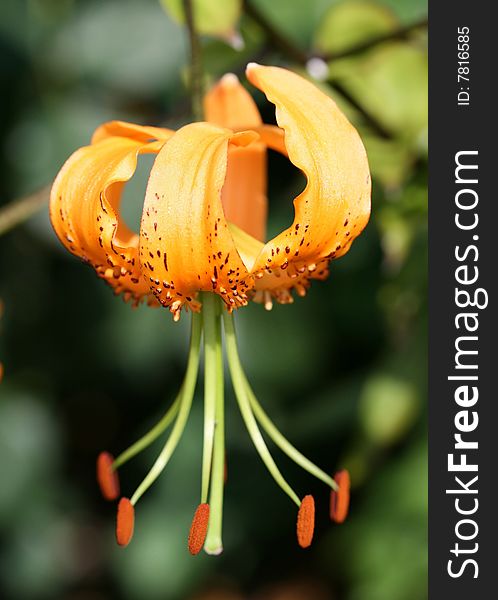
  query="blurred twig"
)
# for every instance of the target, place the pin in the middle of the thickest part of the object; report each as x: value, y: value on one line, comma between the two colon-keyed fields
x: 294, y: 52
x: 276, y: 37
x: 18, y: 211
x: 196, y: 78
x: 398, y: 34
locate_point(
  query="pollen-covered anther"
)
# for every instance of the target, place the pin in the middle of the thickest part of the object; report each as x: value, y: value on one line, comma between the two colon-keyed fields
x: 198, y: 529
x: 306, y: 521
x: 339, y: 500
x: 107, y: 477
x: 125, y: 522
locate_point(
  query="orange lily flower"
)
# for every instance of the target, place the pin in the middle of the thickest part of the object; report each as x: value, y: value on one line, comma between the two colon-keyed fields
x: 202, y: 241
x: 204, y: 215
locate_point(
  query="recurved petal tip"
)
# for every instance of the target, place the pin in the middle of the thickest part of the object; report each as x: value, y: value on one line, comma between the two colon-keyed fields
x: 339, y: 501
x: 229, y: 79
x: 107, y: 477
x: 306, y: 522
x: 125, y: 522
x: 198, y: 529
x: 251, y: 66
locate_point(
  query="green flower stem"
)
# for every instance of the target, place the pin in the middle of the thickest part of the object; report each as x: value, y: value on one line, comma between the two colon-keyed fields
x: 283, y: 443
x: 213, y: 382
x: 214, y: 394
x: 239, y: 384
x: 151, y: 436
x: 196, y: 74
x: 185, y: 403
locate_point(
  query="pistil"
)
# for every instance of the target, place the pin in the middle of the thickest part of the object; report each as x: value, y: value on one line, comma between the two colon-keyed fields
x: 214, y: 355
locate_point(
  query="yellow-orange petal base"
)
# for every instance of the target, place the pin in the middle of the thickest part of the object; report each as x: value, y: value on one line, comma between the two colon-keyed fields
x: 125, y: 522
x: 306, y: 522
x: 339, y: 501
x: 107, y: 477
x: 198, y: 529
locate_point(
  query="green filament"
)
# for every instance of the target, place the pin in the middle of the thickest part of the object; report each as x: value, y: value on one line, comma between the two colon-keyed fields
x: 151, y: 436
x: 239, y: 384
x: 185, y: 403
x: 284, y: 445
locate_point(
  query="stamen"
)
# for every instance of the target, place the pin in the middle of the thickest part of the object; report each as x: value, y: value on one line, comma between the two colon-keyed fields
x: 239, y: 384
x: 185, y: 403
x: 339, y: 500
x: 284, y: 445
x: 198, y: 529
x: 107, y: 477
x: 125, y: 522
x: 152, y: 435
x: 306, y: 522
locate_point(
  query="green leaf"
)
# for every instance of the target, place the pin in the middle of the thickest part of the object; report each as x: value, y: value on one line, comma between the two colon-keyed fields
x: 388, y: 408
x: 390, y: 161
x: 390, y: 82
x: 218, y: 19
x: 349, y: 24
x: 296, y: 19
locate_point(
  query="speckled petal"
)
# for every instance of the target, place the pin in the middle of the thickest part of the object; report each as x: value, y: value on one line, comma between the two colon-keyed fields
x: 84, y: 210
x: 185, y: 242
x: 335, y: 206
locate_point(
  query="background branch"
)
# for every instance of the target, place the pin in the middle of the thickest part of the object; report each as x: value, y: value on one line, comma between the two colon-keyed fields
x: 18, y: 211
x: 398, y: 34
x: 292, y: 51
x: 196, y: 77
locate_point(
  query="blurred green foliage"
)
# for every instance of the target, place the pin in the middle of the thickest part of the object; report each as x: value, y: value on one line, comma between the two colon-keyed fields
x: 342, y: 372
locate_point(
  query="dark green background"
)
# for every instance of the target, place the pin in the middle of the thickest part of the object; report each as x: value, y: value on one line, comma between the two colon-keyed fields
x: 342, y: 372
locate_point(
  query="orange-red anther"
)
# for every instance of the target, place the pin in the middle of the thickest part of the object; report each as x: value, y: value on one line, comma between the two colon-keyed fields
x: 107, y: 477
x: 198, y: 529
x: 339, y: 501
x: 125, y: 522
x: 306, y: 522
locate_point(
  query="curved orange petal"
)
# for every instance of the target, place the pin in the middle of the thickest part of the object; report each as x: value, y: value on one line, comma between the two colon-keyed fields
x: 335, y: 206
x: 244, y: 200
x: 84, y: 210
x: 185, y: 243
x: 140, y: 133
x: 273, y: 137
x: 228, y: 104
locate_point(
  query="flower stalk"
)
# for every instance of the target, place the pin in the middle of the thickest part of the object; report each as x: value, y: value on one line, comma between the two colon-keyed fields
x: 196, y: 75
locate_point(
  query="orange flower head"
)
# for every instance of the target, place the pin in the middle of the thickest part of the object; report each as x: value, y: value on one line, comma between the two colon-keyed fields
x: 339, y: 500
x: 203, y: 224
